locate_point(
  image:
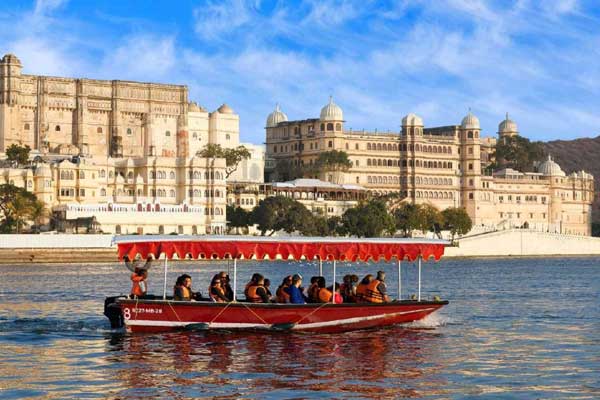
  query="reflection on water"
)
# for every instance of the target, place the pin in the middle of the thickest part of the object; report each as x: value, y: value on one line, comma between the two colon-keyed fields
x: 514, y: 328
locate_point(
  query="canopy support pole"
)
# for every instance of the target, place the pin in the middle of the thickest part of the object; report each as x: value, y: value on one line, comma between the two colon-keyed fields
x: 234, y: 279
x: 419, y: 296
x: 333, y: 285
x: 165, y: 282
x: 399, y: 279
x: 320, y: 267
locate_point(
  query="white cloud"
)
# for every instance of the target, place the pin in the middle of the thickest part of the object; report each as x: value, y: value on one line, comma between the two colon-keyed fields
x: 44, y: 6
x: 217, y: 18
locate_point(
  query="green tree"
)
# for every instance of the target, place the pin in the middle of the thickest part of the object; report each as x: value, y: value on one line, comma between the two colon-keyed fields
x: 369, y: 219
x: 237, y: 218
x: 232, y: 157
x: 281, y: 213
x: 517, y: 152
x: 457, y: 221
x: 405, y: 218
x: 333, y: 160
x: 17, y: 206
x: 18, y: 155
x: 285, y: 170
x: 427, y: 218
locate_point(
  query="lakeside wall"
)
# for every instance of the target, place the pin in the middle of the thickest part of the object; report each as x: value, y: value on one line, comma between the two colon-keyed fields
x: 520, y: 242
x: 100, y: 248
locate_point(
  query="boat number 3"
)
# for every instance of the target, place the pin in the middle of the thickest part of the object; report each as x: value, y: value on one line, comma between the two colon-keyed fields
x: 126, y: 313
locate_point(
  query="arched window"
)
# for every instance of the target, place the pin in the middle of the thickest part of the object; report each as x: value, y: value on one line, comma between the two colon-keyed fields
x: 99, y: 129
x: 102, y: 192
x: 379, y: 163
x: 196, y: 175
x: 102, y: 174
x: 168, y: 133
x: 378, y: 146
x: 227, y: 136
x: 384, y: 147
x: 110, y: 174
x: 172, y: 193
x: 329, y: 126
x: 196, y: 193
x: 171, y: 175
x: 330, y: 144
x: 338, y: 127
x: 322, y: 127
x: 368, y: 162
x: 81, y: 175
x: 129, y: 132
x: 130, y: 175
x: 470, y: 135
x: 57, y: 128
x: 368, y: 146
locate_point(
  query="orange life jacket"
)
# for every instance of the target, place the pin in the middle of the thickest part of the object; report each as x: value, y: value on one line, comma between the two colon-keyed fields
x: 373, y: 295
x: 213, y: 296
x: 282, y: 296
x: 137, y: 283
x: 361, y: 292
x: 186, y: 294
x: 251, y: 294
x: 324, y: 295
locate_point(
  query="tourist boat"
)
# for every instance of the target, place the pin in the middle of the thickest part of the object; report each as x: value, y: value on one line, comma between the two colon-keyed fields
x: 162, y: 313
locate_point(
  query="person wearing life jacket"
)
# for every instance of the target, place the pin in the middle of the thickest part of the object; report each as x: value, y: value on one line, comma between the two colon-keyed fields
x: 322, y: 294
x: 281, y: 294
x: 256, y: 293
x: 225, y: 283
x: 267, y: 286
x: 361, y: 289
x: 217, y: 292
x: 138, y: 280
x: 313, y: 289
x: 376, y: 290
x: 183, y: 289
x: 253, y: 281
x: 348, y: 290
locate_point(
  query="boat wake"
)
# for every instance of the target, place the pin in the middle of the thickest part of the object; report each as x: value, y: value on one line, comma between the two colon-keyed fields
x: 431, y: 321
x: 54, y: 326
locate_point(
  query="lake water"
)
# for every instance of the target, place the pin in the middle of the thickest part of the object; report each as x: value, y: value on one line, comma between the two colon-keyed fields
x: 514, y: 328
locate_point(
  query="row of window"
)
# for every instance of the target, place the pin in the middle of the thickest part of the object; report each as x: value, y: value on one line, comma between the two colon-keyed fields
x: 510, y: 215
x: 207, y: 193
x: 434, y: 195
x: 533, y: 199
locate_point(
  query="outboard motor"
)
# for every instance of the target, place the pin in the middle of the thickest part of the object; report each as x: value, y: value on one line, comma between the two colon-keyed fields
x: 113, y: 312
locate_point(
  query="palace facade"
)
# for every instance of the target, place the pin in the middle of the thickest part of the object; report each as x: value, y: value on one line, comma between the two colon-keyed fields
x: 443, y: 166
x: 123, y: 152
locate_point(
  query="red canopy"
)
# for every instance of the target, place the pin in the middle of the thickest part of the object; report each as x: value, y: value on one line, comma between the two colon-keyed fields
x: 345, y: 249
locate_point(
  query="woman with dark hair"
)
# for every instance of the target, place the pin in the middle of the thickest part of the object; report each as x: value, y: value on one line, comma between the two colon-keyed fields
x: 217, y: 292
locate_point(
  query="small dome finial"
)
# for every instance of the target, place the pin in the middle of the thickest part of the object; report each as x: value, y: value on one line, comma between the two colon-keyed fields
x: 507, y: 116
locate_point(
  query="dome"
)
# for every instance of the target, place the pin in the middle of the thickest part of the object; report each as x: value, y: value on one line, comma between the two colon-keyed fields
x: 331, y: 112
x: 507, y: 126
x: 194, y: 107
x: 276, y: 117
x: 470, y: 122
x: 550, y: 168
x: 412, y: 120
x: 11, y: 59
x: 225, y: 109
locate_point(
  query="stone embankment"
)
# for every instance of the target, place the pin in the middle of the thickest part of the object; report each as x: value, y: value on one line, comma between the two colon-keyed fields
x: 39, y: 249
x: 524, y: 243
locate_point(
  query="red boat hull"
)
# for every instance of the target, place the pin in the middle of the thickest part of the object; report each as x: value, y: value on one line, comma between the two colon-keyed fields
x: 160, y: 315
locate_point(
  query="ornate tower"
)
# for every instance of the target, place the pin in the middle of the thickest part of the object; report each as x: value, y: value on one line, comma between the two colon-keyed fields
x: 470, y: 164
x: 10, y: 77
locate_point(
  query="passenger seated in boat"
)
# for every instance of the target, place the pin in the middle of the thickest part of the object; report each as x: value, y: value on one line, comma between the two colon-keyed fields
x: 361, y: 289
x: 256, y: 293
x: 323, y: 294
x: 267, y: 286
x: 347, y: 288
x: 313, y: 289
x: 217, y: 291
x: 183, y: 289
x: 338, y: 299
x: 375, y: 291
x: 138, y: 280
x: 253, y: 281
x: 225, y: 283
x: 281, y: 293
x: 294, y: 291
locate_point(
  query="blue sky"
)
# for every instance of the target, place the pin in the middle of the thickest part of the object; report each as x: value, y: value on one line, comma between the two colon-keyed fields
x: 537, y: 60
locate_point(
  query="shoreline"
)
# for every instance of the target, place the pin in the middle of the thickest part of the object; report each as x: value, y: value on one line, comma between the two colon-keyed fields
x: 23, y: 256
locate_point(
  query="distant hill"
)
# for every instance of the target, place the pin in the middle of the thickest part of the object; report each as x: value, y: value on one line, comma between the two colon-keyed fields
x: 578, y: 154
